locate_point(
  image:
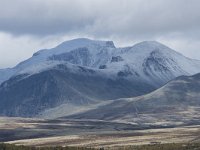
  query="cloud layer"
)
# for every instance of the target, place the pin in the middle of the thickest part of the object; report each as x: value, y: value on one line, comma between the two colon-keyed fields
x: 175, y: 22
x: 100, y: 17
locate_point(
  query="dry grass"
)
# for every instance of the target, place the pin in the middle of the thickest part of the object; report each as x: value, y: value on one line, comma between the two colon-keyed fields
x: 139, y: 137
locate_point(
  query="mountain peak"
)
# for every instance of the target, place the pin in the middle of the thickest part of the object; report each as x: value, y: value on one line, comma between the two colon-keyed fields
x: 81, y: 42
x: 74, y: 44
x: 151, y: 44
x: 147, y: 47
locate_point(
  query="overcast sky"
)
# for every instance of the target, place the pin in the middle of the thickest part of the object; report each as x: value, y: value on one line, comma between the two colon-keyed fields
x: 29, y: 25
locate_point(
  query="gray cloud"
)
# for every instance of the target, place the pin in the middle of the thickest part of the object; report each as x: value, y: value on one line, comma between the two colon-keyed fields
x: 173, y: 22
x: 100, y: 18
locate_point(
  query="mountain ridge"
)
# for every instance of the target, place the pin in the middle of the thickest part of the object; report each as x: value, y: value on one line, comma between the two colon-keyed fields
x: 104, y: 72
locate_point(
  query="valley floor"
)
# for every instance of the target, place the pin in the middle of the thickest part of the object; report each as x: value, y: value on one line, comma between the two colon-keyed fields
x: 95, y: 134
x: 168, y: 146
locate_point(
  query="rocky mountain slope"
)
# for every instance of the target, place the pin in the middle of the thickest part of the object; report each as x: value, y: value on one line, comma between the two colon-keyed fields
x: 28, y: 95
x: 177, y: 102
x: 81, y: 73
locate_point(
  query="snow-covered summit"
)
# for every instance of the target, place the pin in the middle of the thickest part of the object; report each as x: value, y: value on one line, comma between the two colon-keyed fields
x: 80, y: 42
x: 74, y: 44
x: 149, y: 60
x: 74, y: 47
x: 155, y: 62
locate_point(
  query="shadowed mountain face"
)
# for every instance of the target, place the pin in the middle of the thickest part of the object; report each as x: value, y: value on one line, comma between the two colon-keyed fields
x: 81, y: 73
x: 176, y: 102
x: 29, y: 95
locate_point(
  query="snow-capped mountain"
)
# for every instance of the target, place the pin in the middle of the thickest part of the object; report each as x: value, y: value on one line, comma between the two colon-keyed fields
x: 47, y: 58
x: 94, y: 71
x: 155, y: 62
x: 146, y: 60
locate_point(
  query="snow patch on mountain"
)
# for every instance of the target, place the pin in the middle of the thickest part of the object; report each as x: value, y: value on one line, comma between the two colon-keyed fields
x: 149, y: 61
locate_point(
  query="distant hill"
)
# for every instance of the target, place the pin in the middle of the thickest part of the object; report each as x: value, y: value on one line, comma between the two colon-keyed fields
x: 176, y: 103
